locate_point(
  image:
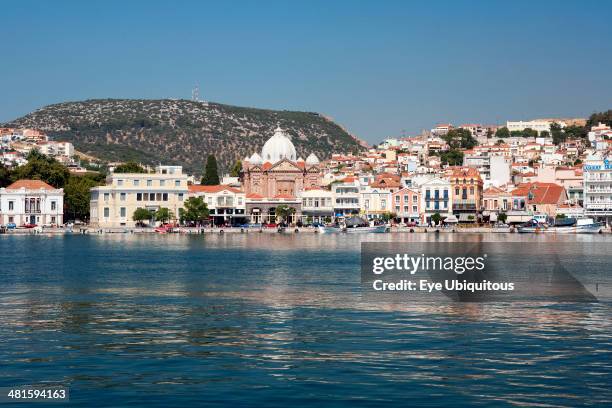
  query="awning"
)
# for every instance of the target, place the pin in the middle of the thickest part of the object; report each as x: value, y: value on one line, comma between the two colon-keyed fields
x: 467, y: 217
x: 451, y: 219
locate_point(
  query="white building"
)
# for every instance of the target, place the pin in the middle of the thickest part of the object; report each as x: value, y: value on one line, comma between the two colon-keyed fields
x: 539, y: 125
x: 31, y: 202
x: 347, y: 196
x: 597, y: 176
x: 226, y: 204
x: 114, y: 204
x: 436, y: 197
x: 317, y: 204
x: 55, y: 149
x: 376, y: 201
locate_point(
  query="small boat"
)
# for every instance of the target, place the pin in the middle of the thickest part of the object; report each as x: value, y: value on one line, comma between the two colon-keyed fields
x: 563, y: 226
x: 353, y: 225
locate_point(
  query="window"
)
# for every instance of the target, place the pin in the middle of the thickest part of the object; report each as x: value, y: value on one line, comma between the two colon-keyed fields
x: 415, y: 209
x: 122, y: 196
x: 122, y: 212
x: 11, y: 220
x: 158, y: 197
x: 472, y: 190
x: 457, y: 191
x: 119, y: 182
x: 162, y: 183
x: 397, y: 208
x: 383, y: 204
x: 177, y: 183
x: 367, y: 204
x: 180, y: 196
x: 11, y: 205
x: 445, y: 195
x: 138, y: 196
x: 165, y: 197
x: 106, y: 212
x: 405, y: 198
x: 149, y: 183
x: 53, y: 205
x: 397, y: 199
x: 427, y: 194
x: 136, y: 183
x: 405, y: 208
x: 106, y: 196
x: 414, y: 198
x: 52, y: 220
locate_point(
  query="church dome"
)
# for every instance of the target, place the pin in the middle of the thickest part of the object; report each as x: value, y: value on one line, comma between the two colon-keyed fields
x: 278, y: 147
x: 255, y: 159
x: 312, y: 159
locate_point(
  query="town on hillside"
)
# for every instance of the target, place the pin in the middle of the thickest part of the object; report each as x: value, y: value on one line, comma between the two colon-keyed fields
x: 465, y: 176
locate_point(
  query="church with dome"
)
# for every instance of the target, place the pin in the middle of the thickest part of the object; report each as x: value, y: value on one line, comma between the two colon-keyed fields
x: 277, y: 172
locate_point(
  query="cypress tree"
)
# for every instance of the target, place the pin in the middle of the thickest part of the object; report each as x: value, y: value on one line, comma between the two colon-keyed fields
x: 211, y: 174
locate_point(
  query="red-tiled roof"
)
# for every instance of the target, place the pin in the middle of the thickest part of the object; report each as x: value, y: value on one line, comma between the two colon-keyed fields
x: 30, y: 185
x: 197, y: 188
x: 254, y: 196
x: 541, y: 193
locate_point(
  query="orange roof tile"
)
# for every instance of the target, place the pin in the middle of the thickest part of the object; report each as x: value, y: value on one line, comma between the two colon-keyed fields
x: 197, y: 188
x: 30, y: 185
x: 541, y: 193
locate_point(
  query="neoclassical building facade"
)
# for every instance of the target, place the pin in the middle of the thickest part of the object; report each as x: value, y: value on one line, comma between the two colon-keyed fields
x: 277, y: 176
x: 277, y: 171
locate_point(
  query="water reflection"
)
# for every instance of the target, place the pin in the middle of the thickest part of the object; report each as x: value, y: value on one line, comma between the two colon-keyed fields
x: 266, y: 317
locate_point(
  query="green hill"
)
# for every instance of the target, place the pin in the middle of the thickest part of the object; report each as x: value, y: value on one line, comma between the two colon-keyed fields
x: 182, y: 132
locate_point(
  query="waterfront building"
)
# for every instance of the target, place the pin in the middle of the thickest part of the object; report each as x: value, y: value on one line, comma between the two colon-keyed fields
x: 376, y: 197
x: 114, y: 204
x: 278, y: 170
x: 226, y: 204
x: 539, y: 198
x: 597, y: 174
x: 495, y: 201
x: 317, y: 205
x: 466, y: 187
x: 436, y: 197
x: 406, y: 204
x: 347, y: 196
x: 31, y: 202
x: 262, y: 210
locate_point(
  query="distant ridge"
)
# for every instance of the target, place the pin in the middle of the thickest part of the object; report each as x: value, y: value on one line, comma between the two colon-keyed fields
x: 182, y: 131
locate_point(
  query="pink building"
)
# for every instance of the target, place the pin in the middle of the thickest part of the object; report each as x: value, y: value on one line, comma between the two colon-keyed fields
x: 406, y: 204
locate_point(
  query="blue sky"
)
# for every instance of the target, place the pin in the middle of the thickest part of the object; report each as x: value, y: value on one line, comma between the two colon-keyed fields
x: 377, y: 67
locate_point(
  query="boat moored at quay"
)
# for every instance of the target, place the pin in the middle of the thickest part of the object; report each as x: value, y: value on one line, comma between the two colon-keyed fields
x: 563, y: 226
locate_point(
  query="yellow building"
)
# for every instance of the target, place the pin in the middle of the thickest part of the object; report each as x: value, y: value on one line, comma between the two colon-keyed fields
x: 114, y: 204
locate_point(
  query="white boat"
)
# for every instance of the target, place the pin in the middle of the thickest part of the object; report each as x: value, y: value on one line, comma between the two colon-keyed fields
x: 352, y: 230
x: 579, y: 226
x: 351, y: 225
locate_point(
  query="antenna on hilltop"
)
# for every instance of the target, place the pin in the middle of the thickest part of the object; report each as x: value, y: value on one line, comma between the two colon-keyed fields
x: 195, y: 93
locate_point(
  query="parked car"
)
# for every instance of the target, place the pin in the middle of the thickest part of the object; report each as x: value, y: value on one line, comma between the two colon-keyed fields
x: 411, y: 224
x: 270, y: 225
x: 11, y: 225
x: 29, y: 225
